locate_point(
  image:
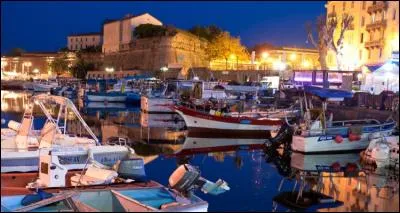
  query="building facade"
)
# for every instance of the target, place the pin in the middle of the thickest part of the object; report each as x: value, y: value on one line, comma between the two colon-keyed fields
x: 120, y: 32
x: 374, y: 36
x: 174, y: 52
x: 33, y: 64
x: 82, y: 41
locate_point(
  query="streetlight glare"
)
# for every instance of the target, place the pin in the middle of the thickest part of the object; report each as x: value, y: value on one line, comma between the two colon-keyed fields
x: 264, y: 55
x: 293, y: 56
x: 109, y: 69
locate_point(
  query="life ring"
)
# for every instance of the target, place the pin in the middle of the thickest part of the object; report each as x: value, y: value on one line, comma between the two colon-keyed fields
x: 338, y: 139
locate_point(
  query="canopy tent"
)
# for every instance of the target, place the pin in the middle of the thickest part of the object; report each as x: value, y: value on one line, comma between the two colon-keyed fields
x: 385, y: 77
x: 327, y: 93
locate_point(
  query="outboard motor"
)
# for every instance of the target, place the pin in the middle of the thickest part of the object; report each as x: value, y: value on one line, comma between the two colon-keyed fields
x: 186, y: 179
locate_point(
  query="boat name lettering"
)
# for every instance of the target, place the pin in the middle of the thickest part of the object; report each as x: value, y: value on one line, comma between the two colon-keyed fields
x: 325, y: 138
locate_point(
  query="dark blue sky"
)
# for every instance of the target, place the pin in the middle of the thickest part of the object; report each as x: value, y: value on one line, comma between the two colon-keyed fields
x: 43, y: 26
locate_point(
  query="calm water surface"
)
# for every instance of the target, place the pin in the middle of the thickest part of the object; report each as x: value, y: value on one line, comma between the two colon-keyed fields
x: 253, y: 175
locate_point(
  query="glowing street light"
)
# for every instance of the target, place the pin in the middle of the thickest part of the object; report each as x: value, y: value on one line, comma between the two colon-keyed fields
x: 35, y: 71
x: 306, y: 64
x: 109, y: 69
x: 264, y: 55
x: 293, y: 56
x: 164, y: 69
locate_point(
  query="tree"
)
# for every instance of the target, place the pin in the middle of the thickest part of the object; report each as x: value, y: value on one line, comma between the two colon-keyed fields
x: 224, y: 46
x: 60, y: 65
x: 80, y: 69
x: 16, y: 52
x: 150, y: 30
x: 325, y: 32
x: 209, y: 33
x: 346, y: 24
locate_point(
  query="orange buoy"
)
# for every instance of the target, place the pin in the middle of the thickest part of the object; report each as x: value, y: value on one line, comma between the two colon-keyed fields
x: 338, y: 139
x: 354, y: 137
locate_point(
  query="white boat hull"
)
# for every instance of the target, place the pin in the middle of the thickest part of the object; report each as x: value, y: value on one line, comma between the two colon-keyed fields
x: 310, y: 162
x: 322, y: 143
x: 162, y: 120
x: 73, y: 158
x: 99, y: 98
x: 156, y: 104
x: 196, y: 122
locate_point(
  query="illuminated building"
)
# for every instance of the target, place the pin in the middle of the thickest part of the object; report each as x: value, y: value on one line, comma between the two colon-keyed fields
x: 27, y: 65
x: 83, y: 41
x: 374, y: 36
x: 118, y: 34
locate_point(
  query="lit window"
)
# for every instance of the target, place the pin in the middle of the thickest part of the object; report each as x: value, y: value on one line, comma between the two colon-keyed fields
x: 362, y: 21
x: 333, y: 11
x: 373, y: 18
x: 362, y: 38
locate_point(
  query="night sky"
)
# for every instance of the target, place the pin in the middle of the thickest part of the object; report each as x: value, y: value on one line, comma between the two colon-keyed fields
x: 44, y: 26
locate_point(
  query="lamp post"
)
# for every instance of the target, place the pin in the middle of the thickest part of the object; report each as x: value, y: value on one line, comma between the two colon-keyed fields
x: 163, y: 70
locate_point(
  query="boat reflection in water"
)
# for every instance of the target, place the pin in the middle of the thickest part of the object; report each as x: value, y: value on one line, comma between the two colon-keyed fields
x: 14, y: 101
x: 334, y: 182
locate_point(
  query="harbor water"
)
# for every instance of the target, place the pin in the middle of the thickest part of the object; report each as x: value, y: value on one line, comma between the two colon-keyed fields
x: 254, y: 175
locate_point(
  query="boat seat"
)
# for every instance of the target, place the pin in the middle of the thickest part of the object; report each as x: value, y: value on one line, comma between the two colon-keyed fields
x: 94, y: 176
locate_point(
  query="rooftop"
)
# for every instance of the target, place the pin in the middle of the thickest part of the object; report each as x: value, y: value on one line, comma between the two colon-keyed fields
x: 85, y: 34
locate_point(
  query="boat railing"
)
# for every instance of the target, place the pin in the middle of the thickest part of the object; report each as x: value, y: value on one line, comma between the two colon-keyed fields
x: 344, y: 129
x: 364, y: 121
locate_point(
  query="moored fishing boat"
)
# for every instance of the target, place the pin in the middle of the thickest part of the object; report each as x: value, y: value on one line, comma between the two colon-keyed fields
x: 106, y: 96
x: 212, y: 122
x: 326, y: 135
x: 44, y: 86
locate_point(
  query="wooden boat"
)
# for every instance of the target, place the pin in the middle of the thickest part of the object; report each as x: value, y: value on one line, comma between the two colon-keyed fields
x: 202, y: 122
x: 326, y: 135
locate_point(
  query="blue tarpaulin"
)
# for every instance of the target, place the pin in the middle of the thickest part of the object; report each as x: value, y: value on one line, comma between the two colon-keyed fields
x: 327, y: 93
x: 374, y: 67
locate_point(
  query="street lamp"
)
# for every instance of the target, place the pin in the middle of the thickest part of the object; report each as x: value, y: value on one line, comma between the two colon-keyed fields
x: 163, y: 70
x: 306, y: 64
x: 109, y: 69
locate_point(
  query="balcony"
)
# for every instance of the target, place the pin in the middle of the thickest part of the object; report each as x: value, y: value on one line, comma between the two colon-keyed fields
x: 376, y: 25
x: 379, y: 6
x: 376, y: 43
